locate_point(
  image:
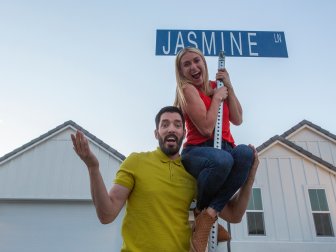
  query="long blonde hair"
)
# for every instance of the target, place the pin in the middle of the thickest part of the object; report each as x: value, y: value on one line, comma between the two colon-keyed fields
x: 181, y: 80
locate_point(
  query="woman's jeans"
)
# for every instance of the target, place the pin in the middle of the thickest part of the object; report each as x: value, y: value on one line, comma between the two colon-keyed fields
x: 219, y: 172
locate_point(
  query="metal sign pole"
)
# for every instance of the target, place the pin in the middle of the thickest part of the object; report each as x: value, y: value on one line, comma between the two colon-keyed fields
x: 212, y: 241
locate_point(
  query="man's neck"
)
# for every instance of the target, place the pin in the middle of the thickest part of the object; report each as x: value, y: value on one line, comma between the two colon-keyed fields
x: 175, y: 156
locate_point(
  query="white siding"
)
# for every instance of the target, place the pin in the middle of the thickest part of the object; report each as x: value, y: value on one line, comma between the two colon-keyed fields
x: 290, y: 200
x: 277, y: 199
x: 316, y: 143
x: 54, y: 226
x: 45, y: 200
x: 52, y: 170
x: 284, y: 178
x: 303, y: 211
x: 276, y: 246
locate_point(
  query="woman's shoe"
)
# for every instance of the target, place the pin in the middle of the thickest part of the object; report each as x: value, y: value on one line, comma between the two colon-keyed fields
x: 222, y: 233
x: 201, y: 230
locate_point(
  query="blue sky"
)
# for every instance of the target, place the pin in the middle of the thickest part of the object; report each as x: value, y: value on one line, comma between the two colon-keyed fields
x: 94, y: 62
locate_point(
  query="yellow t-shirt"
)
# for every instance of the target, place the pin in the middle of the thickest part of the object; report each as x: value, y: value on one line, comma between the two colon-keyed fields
x: 157, y: 210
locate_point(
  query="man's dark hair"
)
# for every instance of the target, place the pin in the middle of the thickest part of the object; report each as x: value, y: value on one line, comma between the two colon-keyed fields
x: 169, y: 109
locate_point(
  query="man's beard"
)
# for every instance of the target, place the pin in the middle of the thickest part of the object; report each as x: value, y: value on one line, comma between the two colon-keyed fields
x: 169, y: 150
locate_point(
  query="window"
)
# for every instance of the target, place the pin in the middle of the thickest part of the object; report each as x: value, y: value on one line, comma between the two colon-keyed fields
x: 321, y: 213
x: 255, y: 214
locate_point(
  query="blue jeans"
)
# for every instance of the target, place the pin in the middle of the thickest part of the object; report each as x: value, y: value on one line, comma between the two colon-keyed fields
x: 219, y: 172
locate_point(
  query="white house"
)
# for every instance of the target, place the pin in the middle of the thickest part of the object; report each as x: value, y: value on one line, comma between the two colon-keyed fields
x: 45, y: 200
x: 293, y: 207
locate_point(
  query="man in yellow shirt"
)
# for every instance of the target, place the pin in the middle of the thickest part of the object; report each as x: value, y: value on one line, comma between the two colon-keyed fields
x: 156, y: 189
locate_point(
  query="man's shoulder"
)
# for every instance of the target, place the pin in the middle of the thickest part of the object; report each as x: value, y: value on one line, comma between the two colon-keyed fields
x: 142, y: 154
x: 139, y: 159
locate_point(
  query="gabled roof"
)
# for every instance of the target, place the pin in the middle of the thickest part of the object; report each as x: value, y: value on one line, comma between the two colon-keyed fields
x: 296, y: 148
x: 58, y: 128
x: 310, y: 124
x: 282, y: 139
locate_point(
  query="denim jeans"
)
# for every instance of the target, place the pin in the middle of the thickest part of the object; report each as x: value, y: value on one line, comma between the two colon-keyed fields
x: 219, y: 172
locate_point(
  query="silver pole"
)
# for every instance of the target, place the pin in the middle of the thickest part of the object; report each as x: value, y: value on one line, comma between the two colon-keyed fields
x: 212, y: 241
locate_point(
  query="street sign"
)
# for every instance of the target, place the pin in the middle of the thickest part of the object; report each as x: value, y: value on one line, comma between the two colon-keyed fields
x: 233, y: 43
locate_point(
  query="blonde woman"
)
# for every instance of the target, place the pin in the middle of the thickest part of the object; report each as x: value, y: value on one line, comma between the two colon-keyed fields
x: 219, y: 172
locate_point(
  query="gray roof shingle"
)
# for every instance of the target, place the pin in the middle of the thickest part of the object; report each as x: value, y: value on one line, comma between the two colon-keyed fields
x: 292, y: 145
x: 312, y: 125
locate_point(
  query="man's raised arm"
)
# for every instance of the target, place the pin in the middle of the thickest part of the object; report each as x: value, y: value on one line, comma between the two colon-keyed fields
x: 108, y: 205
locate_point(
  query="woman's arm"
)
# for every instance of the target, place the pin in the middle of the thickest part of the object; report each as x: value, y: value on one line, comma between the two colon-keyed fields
x: 203, y: 119
x: 235, y: 109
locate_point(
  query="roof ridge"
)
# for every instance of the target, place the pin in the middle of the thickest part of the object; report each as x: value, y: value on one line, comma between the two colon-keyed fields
x: 312, y: 125
x: 57, y: 128
x: 297, y: 148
